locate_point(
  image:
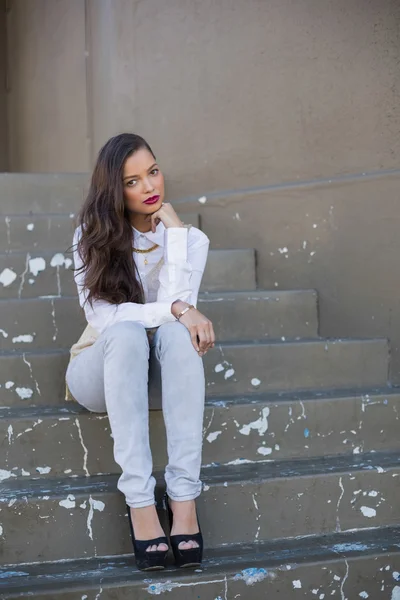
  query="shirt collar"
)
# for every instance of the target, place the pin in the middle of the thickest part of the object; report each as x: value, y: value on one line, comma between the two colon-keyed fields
x: 155, y: 238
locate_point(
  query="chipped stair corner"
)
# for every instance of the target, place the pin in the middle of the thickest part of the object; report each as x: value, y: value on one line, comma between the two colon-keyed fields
x: 301, y: 468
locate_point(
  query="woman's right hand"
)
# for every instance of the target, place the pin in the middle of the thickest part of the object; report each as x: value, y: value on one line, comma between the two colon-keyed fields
x: 200, y: 328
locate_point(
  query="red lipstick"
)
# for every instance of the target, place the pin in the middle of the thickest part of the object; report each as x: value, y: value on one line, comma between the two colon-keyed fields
x: 152, y: 200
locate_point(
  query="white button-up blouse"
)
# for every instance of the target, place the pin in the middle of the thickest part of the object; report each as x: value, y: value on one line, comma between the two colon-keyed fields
x: 173, y: 272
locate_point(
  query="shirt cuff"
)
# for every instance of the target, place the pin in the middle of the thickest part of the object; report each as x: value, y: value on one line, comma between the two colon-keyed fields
x: 176, y: 245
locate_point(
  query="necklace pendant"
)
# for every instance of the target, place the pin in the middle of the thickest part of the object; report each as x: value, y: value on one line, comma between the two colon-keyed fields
x: 146, y: 262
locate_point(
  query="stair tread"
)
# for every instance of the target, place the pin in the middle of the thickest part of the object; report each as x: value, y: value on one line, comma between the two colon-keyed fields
x: 204, y: 295
x: 234, y: 344
x: 73, y: 574
x: 74, y: 408
x: 214, y: 475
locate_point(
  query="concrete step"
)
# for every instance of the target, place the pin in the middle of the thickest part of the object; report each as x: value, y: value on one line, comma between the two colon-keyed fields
x: 85, y: 517
x: 27, y: 233
x: 39, y: 193
x: 43, y: 323
x: 43, y: 273
x: 38, y: 377
x: 236, y: 431
x: 362, y: 564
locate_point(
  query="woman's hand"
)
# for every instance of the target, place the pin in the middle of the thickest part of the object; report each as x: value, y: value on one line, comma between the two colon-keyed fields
x: 167, y: 215
x: 200, y: 328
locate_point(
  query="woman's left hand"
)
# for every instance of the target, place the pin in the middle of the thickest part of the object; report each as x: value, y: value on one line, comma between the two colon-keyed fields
x: 167, y: 215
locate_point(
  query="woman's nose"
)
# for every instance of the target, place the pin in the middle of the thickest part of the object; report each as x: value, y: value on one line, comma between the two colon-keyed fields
x: 147, y: 186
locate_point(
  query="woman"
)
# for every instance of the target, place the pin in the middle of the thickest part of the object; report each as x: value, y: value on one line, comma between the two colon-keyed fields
x: 138, y: 270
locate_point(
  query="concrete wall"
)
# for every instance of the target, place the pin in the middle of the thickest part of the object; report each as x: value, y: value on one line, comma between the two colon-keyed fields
x: 234, y: 95
x: 3, y: 91
x: 47, y: 101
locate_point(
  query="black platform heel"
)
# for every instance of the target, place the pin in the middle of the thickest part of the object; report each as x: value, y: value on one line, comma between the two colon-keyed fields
x: 153, y: 560
x: 191, y: 557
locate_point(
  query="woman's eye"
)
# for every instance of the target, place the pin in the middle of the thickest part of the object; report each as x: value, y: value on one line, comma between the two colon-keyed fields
x: 132, y: 182
x: 154, y: 172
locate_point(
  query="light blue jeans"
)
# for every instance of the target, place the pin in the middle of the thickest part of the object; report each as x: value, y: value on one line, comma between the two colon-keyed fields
x: 113, y: 376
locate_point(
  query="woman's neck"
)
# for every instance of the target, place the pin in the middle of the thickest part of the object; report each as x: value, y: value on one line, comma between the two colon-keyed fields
x: 139, y: 223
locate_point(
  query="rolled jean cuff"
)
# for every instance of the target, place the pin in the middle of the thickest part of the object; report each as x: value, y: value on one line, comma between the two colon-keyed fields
x: 179, y: 498
x: 141, y: 504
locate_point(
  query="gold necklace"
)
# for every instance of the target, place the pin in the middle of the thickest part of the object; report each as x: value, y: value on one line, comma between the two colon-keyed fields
x: 146, y: 262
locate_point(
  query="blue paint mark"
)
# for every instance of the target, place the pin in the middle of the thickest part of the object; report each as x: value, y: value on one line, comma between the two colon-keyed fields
x: 252, y: 575
x: 349, y: 547
x: 306, y: 433
x: 5, y: 574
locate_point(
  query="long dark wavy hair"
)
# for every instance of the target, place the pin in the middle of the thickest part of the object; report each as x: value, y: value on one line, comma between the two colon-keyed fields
x: 105, y: 246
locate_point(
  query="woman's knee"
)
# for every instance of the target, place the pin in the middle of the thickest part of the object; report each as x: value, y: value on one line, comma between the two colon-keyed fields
x: 127, y: 334
x: 176, y: 337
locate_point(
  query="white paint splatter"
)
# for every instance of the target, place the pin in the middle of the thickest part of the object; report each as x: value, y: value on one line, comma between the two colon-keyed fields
x: 264, y: 450
x: 368, y: 512
x: 43, y: 470
x: 363, y: 595
x: 30, y: 226
x: 53, y: 315
x: 4, y: 333
x: 338, y: 527
x: 395, y: 593
x: 218, y: 368
x: 255, y: 382
x: 373, y: 494
x: 10, y: 432
x: 1, y: 530
x: 36, y: 265
x: 25, y: 473
x: 297, y: 584
x: 6, y: 474
x: 31, y: 373
x: 343, y: 597
x: 25, y: 338
x: 283, y: 250
x: 69, y: 502
x: 94, y: 505
x: 229, y: 373
x: 395, y: 575
x: 9, y: 385
x: 213, y: 436
x: 203, y: 199
x: 85, y: 450
x: 261, y: 424
x: 24, y: 393
x: 7, y: 277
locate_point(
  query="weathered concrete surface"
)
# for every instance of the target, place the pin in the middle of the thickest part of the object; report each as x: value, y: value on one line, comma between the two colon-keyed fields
x: 44, y: 323
x: 78, y: 517
x: 333, y: 236
x: 349, y: 565
x: 36, y: 274
x: 24, y: 233
x: 326, y: 77
x: 238, y: 432
x: 230, y: 369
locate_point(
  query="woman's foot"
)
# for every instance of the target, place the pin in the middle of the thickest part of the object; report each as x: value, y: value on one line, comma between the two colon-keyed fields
x: 146, y: 526
x: 184, y: 521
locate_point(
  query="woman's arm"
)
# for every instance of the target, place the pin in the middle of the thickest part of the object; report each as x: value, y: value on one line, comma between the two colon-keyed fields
x: 185, y: 258
x: 179, y: 280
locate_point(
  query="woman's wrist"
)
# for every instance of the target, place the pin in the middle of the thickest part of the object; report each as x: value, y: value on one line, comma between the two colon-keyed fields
x: 178, y: 306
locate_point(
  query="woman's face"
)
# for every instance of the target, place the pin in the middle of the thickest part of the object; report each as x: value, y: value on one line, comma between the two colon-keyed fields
x: 143, y: 181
